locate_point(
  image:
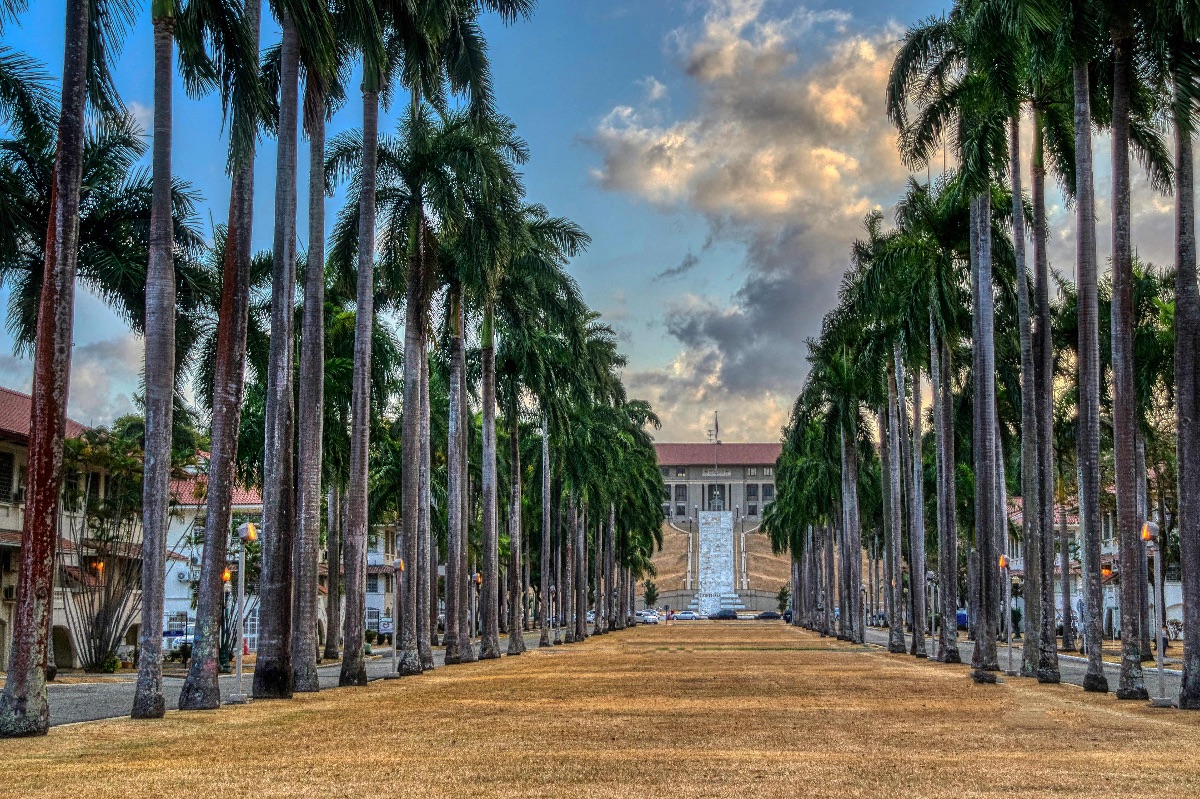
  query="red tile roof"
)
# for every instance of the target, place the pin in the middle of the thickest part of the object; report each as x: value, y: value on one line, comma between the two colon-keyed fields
x: 16, y: 413
x: 724, y: 454
x: 193, y: 490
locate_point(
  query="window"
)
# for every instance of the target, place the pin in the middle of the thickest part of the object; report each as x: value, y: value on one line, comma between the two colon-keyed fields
x: 681, y: 494
x: 667, y: 493
x: 768, y: 471
x: 372, y: 583
x: 373, y: 619
x: 752, y: 494
x: 666, y: 471
x: 752, y: 471
x: 252, y: 629
x: 768, y: 493
x: 93, y: 485
x: 177, y: 622
x: 666, y: 509
x: 752, y: 509
x: 681, y: 510
x: 681, y: 471
x: 6, y: 476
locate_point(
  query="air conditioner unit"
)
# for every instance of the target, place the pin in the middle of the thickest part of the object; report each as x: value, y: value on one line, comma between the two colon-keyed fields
x: 10, y: 593
x: 183, y: 576
x: 195, y: 560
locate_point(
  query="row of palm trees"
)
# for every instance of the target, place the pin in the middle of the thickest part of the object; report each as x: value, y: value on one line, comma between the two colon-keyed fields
x: 951, y: 281
x: 438, y: 231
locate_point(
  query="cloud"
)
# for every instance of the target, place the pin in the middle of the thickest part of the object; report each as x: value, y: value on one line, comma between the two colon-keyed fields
x: 683, y: 267
x: 785, y: 151
x: 104, y: 377
x: 655, y: 90
x: 143, y: 115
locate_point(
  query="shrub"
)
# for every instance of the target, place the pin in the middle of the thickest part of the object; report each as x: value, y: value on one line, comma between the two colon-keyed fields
x: 110, y: 664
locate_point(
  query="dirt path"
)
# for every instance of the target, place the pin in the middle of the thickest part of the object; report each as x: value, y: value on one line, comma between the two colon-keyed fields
x: 703, y: 709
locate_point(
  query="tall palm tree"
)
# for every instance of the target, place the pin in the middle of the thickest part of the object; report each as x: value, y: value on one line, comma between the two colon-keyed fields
x: 24, y: 708
x: 201, y: 689
x: 224, y: 24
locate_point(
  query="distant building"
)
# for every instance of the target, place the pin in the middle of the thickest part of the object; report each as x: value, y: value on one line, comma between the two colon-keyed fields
x: 732, y: 477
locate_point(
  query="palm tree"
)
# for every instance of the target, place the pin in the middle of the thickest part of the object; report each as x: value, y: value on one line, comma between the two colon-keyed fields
x: 223, y: 23
x: 1089, y: 348
x: 201, y: 689
x: 305, y: 555
x: 24, y: 708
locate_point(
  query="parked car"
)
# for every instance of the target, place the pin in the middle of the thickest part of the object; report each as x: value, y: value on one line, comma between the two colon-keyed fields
x: 768, y: 615
x: 650, y: 618
x: 591, y: 617
x: 687, y: 615
x: 724, y: 614
x: 961, y: 619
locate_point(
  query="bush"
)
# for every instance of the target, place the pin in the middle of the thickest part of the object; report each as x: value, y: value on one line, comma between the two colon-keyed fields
x: 370, y: 636
x: 185, y: 653
x: 110, y: 664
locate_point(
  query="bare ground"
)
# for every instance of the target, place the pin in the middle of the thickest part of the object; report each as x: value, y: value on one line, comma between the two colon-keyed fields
x: 702, y: 709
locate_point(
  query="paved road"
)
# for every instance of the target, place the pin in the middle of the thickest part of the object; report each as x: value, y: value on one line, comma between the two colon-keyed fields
x: 1071, y: 668
x: 70, y: 703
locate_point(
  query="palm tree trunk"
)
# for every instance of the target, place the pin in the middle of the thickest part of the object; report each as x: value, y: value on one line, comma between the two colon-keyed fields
x: 306, y: 545
x: 948, y: 543
x: 559, y: 586
x: 568, y: 586
x: 1187, y: 411
x: 516, y: 598
x: 466, y: 649
x: 454, y: 477
x: 1031, y: 655
x: 581, y: 575
x: 490, y: 646
x: 1089, y: 378
x: 985, y: 661
x: 355, y: 542
x: 1043, y: 378
x: 201, y: 690
x: 24, y: 707
x: 409, y: 658
x: 544, y: 556
x: 425, y: 550
x: 1143, y: 504
x: 1131, y: 685
x: 894, y: 467
x: 828, y: 627
x: 917, y: 522
x: 333, y: 560
x: 849, y: 441
x: 159, y: 380
x: 273, y: 669
x: 906, y: 490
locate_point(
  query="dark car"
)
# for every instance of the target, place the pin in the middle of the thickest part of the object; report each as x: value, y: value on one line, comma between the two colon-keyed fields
x: 768, y: 615
x: 725, y: 614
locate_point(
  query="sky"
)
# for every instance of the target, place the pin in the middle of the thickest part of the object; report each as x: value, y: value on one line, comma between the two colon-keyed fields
x: 721, y: 154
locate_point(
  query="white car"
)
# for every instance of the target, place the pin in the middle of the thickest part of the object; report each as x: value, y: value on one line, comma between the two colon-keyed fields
x: 687, y: 615
x: 650, y: 618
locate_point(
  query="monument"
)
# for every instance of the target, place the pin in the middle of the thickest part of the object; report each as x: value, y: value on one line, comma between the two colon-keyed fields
x: 715, y: 572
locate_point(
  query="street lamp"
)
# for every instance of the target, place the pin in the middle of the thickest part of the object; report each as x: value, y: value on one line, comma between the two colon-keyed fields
x: 1008, y: 611
x: 1149, y: 538
x: 247, y: 533
x: 397, y: 624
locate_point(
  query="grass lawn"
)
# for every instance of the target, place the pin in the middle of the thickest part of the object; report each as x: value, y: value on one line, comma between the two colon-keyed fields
x: 694, y: 709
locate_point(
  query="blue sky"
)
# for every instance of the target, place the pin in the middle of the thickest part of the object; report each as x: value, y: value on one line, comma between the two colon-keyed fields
x: 720, y: 153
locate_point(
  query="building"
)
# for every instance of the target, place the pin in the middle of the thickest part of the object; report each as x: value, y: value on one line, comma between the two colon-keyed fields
x: 730, y: 477
x: 81, y: 559
x: 738, y: 479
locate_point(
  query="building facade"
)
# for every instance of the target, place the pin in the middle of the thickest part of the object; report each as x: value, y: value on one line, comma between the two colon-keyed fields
x: 726, y: 477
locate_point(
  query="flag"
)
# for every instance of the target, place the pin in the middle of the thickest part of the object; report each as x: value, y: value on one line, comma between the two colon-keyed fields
x: 716, y: 427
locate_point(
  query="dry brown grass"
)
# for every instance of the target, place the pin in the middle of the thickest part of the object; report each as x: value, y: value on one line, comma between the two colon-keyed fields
x: 688, y: 710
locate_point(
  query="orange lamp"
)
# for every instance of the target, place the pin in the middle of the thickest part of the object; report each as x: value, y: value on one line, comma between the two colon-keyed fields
x: 226, y: 575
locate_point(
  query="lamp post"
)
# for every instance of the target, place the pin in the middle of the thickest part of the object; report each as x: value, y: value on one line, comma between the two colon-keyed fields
x: 397, y: 621
x: 248, y: 533
x: 931, y: 582
x: 1149, y: 538
x: 1008, y: 611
